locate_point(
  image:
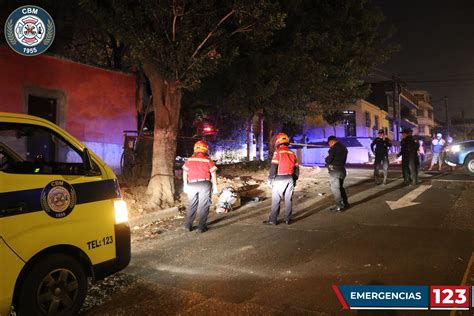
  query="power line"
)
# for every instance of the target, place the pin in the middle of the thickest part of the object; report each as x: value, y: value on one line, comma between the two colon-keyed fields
x: 440, y: 80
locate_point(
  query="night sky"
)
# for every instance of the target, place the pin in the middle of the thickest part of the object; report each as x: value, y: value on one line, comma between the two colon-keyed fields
x: 437, y: 44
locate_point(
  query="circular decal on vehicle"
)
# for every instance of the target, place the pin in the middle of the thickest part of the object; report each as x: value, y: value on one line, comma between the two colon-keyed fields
x: 29, y: 30
x: 58, y: 199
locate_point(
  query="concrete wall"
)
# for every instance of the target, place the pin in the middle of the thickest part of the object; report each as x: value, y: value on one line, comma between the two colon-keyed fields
x: 95, y: 105
x: 356, y: 155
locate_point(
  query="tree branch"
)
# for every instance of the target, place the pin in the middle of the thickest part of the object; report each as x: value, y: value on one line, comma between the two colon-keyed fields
x: 243, y: 29
x: 228, y: 15
x: 174, y: 27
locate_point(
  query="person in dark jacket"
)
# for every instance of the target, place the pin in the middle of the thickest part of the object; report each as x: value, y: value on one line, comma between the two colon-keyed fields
x: 380, y: 147
x: 409, y: 152
x: 336, y: 164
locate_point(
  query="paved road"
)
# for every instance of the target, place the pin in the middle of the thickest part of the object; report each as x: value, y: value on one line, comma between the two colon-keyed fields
x: 243, y: 267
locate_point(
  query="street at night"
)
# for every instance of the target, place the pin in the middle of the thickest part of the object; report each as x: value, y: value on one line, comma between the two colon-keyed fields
x: 243, y: 267
x: 236, y: 157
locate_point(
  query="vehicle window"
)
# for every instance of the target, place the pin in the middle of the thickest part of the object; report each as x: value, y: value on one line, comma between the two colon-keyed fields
x: 30, y: 149
x: 3, y: 161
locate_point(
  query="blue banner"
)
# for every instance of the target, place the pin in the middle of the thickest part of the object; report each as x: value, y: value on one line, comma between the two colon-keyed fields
x: 384, y: 296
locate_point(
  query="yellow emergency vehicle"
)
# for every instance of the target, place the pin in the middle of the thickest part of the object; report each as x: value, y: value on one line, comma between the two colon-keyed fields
x: 62, y: 218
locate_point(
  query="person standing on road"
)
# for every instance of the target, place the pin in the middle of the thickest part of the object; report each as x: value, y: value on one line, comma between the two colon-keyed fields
x: 284, y: 172
x: 336, y: 164
x: 421, y: 152
x: 380, y: 147
x: 437, y: 146
x: 409, y: 152
x: 199, y: 177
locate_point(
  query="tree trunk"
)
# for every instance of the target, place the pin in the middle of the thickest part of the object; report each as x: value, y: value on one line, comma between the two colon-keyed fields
x: 260, y: 137
x: 334, y: 127
x: 167, y: 105
x: 249, y: 139
x: 271, y: 144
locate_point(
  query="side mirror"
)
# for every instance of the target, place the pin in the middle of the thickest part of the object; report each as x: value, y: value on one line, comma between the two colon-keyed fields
x: 88, y: 166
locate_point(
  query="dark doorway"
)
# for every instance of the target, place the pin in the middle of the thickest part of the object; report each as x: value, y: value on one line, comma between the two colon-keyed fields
x: 42, y: 107
x: 40, y: 146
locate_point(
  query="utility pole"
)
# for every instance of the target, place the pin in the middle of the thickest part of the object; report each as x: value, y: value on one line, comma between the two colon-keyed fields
x: 396, y: 105
x: 463, y: 118
x: 249, y: 138
x: 260, y: 135
x: 447, y: 116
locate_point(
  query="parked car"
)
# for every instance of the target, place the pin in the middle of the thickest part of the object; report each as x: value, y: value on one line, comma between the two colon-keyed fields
x: 461, y: 154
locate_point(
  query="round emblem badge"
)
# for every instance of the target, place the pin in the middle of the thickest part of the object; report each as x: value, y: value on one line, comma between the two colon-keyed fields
x: 58, y: 199
x: 29, y: 30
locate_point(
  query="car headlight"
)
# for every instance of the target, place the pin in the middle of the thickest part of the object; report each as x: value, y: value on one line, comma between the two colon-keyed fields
x: 121, y: 211
x: 455, y: 148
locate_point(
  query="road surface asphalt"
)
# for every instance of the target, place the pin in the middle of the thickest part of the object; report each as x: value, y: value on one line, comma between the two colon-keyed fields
x: 242, y: 267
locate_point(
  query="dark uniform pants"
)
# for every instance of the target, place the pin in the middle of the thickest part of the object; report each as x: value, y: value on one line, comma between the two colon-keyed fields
x: 382, y: 160
x: 409, y: 168
x: 282, y: 189
x: 199, y: 198
x: 336, y: 179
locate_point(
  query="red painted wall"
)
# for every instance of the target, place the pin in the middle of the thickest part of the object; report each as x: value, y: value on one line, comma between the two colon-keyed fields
x: 100, y: 103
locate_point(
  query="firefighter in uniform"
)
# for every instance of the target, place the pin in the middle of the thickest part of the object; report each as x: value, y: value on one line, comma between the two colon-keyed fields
x: 380, y: 147
x: 284, y: 173
x: 199, y: 177
x: 409, y: 152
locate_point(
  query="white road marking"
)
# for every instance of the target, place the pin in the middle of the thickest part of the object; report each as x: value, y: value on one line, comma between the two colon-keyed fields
x: 407, y: 199
x: 458, y: 180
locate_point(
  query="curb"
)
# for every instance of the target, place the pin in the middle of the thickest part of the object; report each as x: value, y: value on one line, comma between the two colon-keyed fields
x: 153, y: 216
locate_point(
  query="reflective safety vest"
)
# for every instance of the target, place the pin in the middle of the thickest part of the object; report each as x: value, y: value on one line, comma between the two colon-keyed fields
x: 199, y: 167
x: 285, y: 159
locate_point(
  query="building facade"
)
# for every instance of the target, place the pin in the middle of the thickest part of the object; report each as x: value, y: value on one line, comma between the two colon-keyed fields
x: 360, y: 124
x: 361, y: 120
x: 400, y: 104
x: 424, y: 114
x: 93, y: 104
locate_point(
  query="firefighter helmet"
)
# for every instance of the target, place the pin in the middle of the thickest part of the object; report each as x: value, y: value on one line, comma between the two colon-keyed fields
x: 201, y: 147
x: 281, y: 138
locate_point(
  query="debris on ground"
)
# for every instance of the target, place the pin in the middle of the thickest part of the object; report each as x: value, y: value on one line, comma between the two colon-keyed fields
x: 101, y: 291
x: 247, y: 179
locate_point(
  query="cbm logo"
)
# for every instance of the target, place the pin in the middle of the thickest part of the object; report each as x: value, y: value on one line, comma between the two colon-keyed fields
x: 29, y: 30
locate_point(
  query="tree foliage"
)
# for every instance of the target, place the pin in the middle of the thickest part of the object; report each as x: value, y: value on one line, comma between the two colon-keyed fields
x: 333, y: 118
x: 178, y: 43
x: 322, y: 55
x: 186, y: 41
